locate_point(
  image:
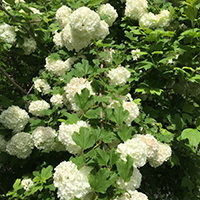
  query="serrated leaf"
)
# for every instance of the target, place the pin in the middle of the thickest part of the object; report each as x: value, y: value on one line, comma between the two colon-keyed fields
x: 5, y: 102
x: 114, y: 157
x: 93, y: 113
x: 119, y: 115
x: 79, y: 160
x: 84, y: 138
x: 46, y: 173
x: 11, y: 2
x: 125, y: 169
x: 84, y: 100
x: 102, y: 157
x: 83, y: 68
x: 47, y: 112
x: 17, y: 184
x: 72, y: 118
x: 125, y: 132
x: 193, y: 135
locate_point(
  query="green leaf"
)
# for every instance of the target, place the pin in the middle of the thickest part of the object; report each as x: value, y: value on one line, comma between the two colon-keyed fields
x: 157, y: 52
x: 95, y: 2
x: 93, y: 113
x: 17, y: 184
x: 11, y: 2
x: 83, y: 68
x: 114, y: 157
x: 125, y: 169
x: 46, y: 173
x: 47, y: 112
x: 79, y: 160
x: 125, y: 132
x: 102, y: 180
x: 83, y: 100
x: 72, y: 118
x: 186, y: 182
x: 193, y: 135
x: 84, y: 138
x: 119, y: 115
x: 5, y: 102
x: 102, y: 157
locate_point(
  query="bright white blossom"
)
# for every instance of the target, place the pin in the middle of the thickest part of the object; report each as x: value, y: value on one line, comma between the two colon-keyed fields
x: 135, y: 148
x: 65, y: 135
x: 29, y: 45
x: 36, y: 107
x: 71, y: 182
x: 20, y: 145
x: 163, y: 154
x: 107, y: 9
x: 148, y: 20
x: 76, y: 85
x: 43, y: 138
x: 132, y: 195
x: 27, y: 184
x: 102, y: 31
x: 57, y: 39
x: 62, y: 16
x: 135, y: 181
x: 42, y: 86
x: 135, y: 54
x: 163, y: 19
x: 14, y: 118
x: 136, y: 8
x: 3, y: 143
x: 7, y: 33
x: 59, y: 67
x: 57, y: 100
x: 118, y: 76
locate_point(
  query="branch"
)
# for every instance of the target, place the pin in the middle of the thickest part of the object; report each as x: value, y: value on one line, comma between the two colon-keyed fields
x: 32, y: 35
x: 12, y: 81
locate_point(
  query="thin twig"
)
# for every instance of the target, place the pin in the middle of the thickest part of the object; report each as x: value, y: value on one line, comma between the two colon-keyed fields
x: 100, y: 94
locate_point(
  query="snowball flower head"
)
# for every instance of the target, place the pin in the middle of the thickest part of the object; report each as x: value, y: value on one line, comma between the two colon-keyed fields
x: 57, y: 39
x: 43, y: 138
x: 27, y: 184
x: 135, y: 181
x: 59, y: 67
x: 29, y: 45
x: 148, y: 20
x: 118, y: 76
x: 42, y: 86
x: 163, y: 18
x: 163, y: 154
x: 71, y: 182
x: 65, y: 135
x: 36, y: 107
x: 134, y: 195
x: 107, y: 9
x: 14, y: 118
x: 102, y: 31
x: 7, y: 33
x: 135, y: 54
x: 20, y: 145
x: 84, y: 22
x: 62, y: 16
x: 136, y: 8
x: 3, y: 143
x: 57, y: 100
x: 135, y: 148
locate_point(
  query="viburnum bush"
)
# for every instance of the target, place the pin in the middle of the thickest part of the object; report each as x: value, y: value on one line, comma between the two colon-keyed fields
x: 99, y: 99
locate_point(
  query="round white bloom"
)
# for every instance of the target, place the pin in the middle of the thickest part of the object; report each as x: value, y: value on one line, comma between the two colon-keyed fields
x: 134, y: 195
x: 57, y: 100
x: 43, y: 138
x: 27, y: 184
x: 36, y: 107
x: 65, y: 135
x: 134, y: 182
x: 76, y: 85
x: 135, y: 54
x: 135, y: 9
x: 3, y: 143
x: 57, y: 39
x: 29, y: 45
x: 20, y: 145
x: 71, y: 182
x: 7, y: 33
x: 42, y: 86
x: 59, y: 67
x: 102, y: 31
x: 14, y: 118
x: 163, y: 18
x: 62, y: 15
x: 84, y: 22
x: 118, y: 76
x: 152, y: 144
x: 135, y: 148
x: 148, y: 20
x: 107, y: 9
x: 133, y: 111
x: 163, y: 154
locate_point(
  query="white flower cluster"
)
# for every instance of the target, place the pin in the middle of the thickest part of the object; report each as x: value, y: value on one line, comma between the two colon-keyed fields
x: 7, y: 33
x: 135, y: 54
x: 57, y: 100
x: 107, y: 9
x: 20, y: 145
x: 59, y: 67
x: 36, y: 107
x: 81, y: 26
x: 42, y: 86
x: 65, y: 135
x: 132, y: 195
x: 43, y: 138
x: 27, y: 184
x: 118, y: 76
x: 14, y: 118
x: 76, y: 85
x: 71, y: 182
x: 29, y: 45
x: 3, y: 143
